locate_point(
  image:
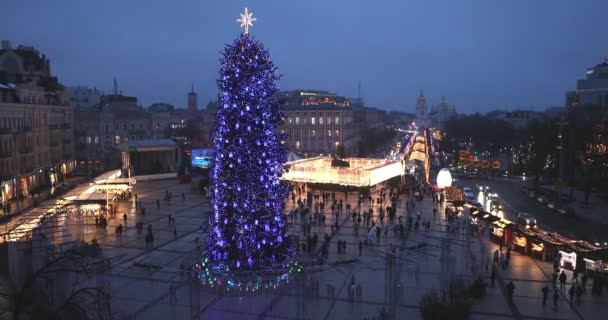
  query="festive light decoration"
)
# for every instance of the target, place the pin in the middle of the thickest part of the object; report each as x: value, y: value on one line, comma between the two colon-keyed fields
x: 246, y: 20
x: 247, y: 231
x: 362, y: 172
x: 444, y: 178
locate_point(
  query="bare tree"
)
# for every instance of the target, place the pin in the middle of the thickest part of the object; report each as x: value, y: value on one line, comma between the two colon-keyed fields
x: 82, y: 303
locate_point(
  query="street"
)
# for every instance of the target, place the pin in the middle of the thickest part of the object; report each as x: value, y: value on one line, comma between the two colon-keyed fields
x: 515, y: 201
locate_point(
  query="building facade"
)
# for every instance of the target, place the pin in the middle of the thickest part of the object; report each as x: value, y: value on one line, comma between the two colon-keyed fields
x: 84, y: 97
x: 591, y: 91
x: 317, y: 122
x: 119, y: 119
x: 36, y: 125
x: 442, y: 112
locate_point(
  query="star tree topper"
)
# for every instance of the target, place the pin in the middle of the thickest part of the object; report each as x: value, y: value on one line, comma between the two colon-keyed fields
x: 246, y: 20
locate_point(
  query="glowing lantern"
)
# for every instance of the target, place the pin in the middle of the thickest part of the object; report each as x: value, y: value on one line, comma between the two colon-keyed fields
x: 444, y: 178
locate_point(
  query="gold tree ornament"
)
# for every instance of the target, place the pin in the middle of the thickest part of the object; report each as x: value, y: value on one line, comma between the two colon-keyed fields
x: 246, y: 20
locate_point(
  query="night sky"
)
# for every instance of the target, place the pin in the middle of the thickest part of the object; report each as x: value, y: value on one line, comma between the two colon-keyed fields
x: 481, y: 54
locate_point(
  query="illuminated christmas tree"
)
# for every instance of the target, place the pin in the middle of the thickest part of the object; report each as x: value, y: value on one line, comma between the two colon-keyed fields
x: 247, y: 230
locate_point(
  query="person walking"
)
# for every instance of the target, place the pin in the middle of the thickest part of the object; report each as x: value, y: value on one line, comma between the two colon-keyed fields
x: 510, y: 290
x: 360, y: 247
x: 555, y: 275
x: 174, y: 233
x: 571, y: 293
x: 545, y: 291
x: 493, y: 277
x: 584, y: 282
x: 579, y: 293
x: 555, y: 299
x: 172, y: 294
x: 562, y: 281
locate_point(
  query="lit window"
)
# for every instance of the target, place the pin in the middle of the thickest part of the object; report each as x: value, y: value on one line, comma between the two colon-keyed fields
x: 96, y: 139
x: 289, y: 120
x: 313, y: 132
x: 328, y: 120
x: 297, y: 120
x: 312, y: 120
x: 117, y: 139
x: 320, y: 120
x: 337, y: 120
x: 88, y: 139
x: 329, y: 133
x: 297, y: 144
x: 337, y: 133
x: 337, y: 144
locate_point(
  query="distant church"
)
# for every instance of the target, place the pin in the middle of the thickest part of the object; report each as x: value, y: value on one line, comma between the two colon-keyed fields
x: 438, y: 114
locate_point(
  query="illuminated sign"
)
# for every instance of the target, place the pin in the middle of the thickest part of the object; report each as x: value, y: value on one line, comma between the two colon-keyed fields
x: 201, y: 157
x: 308, y: 94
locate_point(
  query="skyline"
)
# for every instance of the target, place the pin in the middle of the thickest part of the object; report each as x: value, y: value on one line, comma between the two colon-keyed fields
x: 481, y: 56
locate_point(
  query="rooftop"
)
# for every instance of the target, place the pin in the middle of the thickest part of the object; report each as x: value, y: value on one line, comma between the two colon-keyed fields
x: 150, y: 143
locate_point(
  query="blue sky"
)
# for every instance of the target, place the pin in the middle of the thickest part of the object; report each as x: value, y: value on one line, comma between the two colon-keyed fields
x: 480, y: 54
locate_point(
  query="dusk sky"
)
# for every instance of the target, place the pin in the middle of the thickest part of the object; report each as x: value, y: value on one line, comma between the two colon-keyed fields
x: 480, y: 54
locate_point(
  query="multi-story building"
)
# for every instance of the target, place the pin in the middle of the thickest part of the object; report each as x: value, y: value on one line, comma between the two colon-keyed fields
x: 100, y: 129
x: 591, y: 91
x: 317, y: 122
x: 118, y: 119
x: 36, y: 136
x: 84, y: 97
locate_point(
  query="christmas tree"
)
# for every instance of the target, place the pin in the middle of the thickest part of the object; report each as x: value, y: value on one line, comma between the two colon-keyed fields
x: 247, y: 230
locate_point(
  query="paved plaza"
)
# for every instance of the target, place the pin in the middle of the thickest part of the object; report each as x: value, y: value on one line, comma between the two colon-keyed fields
x: 141, y: 279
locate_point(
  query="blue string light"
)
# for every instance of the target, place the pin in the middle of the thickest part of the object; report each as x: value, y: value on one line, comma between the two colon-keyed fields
x: 250, y: 233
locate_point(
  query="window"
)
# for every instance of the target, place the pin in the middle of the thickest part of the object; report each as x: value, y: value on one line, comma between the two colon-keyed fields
x: 337, y: 133
x: 117, y: 139
x: 88, y: 139
x: 328, y: 120
x: 337, y: 144
x: 297, y: 120
x: 96, y: 139
x: 289, y: 120
x: 320, y: 120
x: 329, y: 133
x: 312, y: 121
x: 313, y: 133
x: 297, y: 144
x: 337, y: 120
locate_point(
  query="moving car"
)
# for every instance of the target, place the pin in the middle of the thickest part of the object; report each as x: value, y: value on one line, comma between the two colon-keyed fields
x: 526, y: 219
x: 468, y: 193
x: 543, y: 199
x: 495, y: 205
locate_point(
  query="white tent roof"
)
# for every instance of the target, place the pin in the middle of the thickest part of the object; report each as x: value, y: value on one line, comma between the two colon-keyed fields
x: 292, y: 156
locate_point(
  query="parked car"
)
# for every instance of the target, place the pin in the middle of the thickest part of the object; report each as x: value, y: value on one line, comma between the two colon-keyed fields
x: 551, y: 205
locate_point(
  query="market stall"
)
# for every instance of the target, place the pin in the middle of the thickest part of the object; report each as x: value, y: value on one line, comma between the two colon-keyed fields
x: 520, y: 241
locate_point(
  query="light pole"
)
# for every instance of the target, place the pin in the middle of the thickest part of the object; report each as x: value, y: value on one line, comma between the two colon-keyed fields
x: 17, y: 171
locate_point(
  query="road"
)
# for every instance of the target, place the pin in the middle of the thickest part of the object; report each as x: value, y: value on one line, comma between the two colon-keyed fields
x: 515, y: 201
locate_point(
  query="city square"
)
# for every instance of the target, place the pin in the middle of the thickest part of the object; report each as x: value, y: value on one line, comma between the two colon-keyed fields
x: 327, y: 176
